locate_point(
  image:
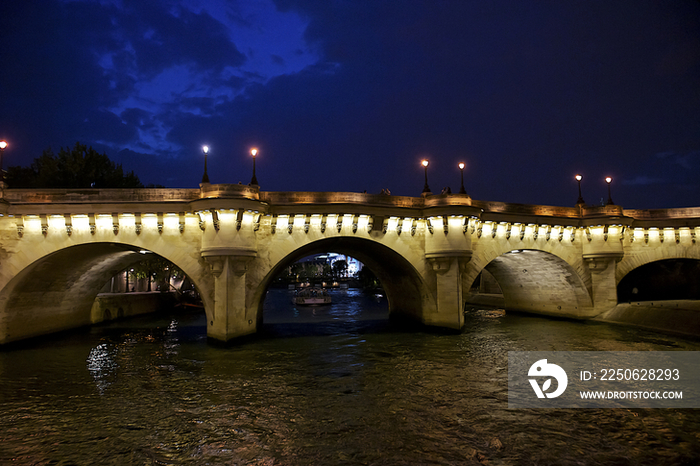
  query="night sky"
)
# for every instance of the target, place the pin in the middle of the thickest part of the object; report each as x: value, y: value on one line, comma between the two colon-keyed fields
x: 350, y: 95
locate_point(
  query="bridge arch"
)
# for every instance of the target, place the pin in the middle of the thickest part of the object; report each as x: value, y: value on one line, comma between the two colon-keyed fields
x: 648, y: 255
x: 406, y: 289
x: 534, y: 280
x: 54, y: 290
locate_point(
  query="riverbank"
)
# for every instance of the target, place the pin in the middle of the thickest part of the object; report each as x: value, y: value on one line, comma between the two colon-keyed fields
x: 111, y: 306
x: 681, y: 317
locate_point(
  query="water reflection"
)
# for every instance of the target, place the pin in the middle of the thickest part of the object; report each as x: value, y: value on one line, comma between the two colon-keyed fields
x: 100, y: 363
x: 319, y: 390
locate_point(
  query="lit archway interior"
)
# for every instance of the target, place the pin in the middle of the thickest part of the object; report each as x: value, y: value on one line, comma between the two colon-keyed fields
x: 405, y: 291
x: 57, y: 292
x: 538, y: 281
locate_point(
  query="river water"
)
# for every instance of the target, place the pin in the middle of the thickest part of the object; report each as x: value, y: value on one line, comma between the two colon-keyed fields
x: 321, y: 386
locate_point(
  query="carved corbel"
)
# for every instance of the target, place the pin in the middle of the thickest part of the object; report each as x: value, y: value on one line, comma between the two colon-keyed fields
x: 137, y: 223
x: 597, y: 264
x: 19, y: 220
x: 414, y: 225
x: 324, y: 221
x: 605, y: 233
x: 549, y: 232
x: 339, y: 222
x: 429, y: 225
x: 522, y: 231
x: 273, y: 224
x: 44, y: 224
x: 69, y: 223
x: 494, y: 229
x: 440, y: 264
x: 239, y: 264
x: 445, y: 224
x: 588, y: 234
x: 535, y: 232
x: 215, y: 219
x: 399, y: 226
x: 355, y: 221
x: 239, y: 219
x: 256, y: 224
x: 159, y: 220
x: 181, y: 222
x: 115, y: 223
x: 216, y: 264
x: 678, y: 236
x: 508, y: 230
x: 91, y: 220
x: 307, y: 223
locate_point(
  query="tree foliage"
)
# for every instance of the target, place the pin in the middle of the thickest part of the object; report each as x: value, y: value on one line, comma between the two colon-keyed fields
x: 340, y: 268
x: 158, y: 271
x: 80, y: 167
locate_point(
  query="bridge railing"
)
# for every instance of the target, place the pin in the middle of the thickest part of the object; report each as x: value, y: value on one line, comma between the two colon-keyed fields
x: 275, y: 202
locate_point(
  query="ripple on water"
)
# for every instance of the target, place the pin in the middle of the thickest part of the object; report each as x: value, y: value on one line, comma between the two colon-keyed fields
x: 316, y: 392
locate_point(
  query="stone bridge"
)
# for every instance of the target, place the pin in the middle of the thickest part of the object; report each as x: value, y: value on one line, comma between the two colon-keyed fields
x: 59, y: 247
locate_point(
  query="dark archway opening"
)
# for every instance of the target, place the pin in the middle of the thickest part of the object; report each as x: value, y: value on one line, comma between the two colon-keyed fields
x: 391, y: 291
x: 667, y: 279
x: 325, y: 293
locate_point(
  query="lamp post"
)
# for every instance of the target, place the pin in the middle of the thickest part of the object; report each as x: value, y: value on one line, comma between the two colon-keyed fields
x: 254, y: 179
x: 610, y: 201
x: 580, y: 198
x: 205, y: 177
x: 426, y: 188
x: 3, y: 145
x: 461, y: 169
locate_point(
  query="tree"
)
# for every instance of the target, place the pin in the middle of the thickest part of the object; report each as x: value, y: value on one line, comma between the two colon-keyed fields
x: 339, y: 268
x: 368, y: 279
x: 80, y: 167
x: 159, y: 273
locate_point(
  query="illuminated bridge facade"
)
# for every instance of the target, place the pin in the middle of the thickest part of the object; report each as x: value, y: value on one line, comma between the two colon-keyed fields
x: 59, y: 247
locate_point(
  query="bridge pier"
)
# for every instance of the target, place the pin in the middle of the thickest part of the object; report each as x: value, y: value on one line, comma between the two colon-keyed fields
x: 449, y: 302
x: 603, y: 284
x: 229, y: 318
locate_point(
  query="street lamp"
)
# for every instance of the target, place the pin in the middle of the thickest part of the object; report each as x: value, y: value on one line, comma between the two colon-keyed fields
x: 610, y: 201
x: 3, y: 145
x: 461, y: 169
x: 426, y: 188
x: 580, y: 198
x: 205, y: 177
x: 254, y: 179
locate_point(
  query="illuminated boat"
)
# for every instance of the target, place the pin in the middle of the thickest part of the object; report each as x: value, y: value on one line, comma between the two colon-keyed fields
x: 311, y: 296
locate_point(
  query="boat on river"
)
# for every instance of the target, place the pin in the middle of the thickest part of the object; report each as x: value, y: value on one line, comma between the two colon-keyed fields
x: 311, y: 296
